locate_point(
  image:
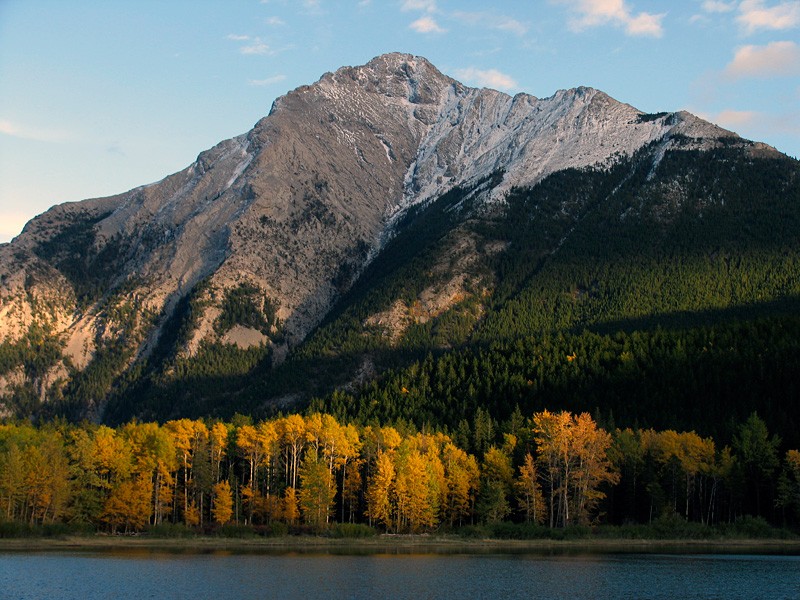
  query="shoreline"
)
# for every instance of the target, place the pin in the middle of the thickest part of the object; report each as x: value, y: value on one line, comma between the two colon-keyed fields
x: 395, y: 544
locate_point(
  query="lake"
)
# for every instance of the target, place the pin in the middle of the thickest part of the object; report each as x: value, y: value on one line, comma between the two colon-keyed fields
x: 151, y: 574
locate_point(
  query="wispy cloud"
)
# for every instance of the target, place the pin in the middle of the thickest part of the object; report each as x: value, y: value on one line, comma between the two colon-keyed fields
x: 423, y: 5
x: 251, y: 45
x: 258, y: 46
x: 265, y: 82
x: 275, y: 22
x: 487, y: 78
x: 736, y: 118
x: 594, y: 13
x: 489, y: 20
x: 426, y: 25
x: 756, y: 122
x: 755, y: 16
x: 717, y: 6
x: 36, y: 134
x: 777, y: 59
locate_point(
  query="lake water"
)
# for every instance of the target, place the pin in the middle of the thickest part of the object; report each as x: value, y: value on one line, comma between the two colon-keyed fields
x: 92, y: 576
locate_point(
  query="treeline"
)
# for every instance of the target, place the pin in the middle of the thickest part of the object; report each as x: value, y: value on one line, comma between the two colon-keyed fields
x: 706, y: 378
x: 307, y: 472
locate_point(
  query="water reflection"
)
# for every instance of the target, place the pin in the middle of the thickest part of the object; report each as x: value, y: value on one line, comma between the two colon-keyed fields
x: 220, y: 575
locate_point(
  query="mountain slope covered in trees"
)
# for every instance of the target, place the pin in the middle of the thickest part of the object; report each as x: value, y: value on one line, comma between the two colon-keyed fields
x: 457, y: 252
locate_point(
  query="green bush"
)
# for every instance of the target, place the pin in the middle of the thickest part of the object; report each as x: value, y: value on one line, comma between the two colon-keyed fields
x: 171, y: 530
x: 351, y: 530
x: 235, y: 531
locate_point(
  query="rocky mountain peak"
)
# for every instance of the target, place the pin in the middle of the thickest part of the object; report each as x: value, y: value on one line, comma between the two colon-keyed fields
x: 296, y: 208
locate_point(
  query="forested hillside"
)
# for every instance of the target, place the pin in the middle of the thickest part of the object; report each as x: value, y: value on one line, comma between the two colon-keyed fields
x: 662, y: 293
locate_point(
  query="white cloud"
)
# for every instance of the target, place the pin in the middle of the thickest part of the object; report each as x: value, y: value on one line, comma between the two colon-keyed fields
x: 594, y: 13
x: 275, y: 22
x: 757, y: 125
x: 512, y: 25
x: 754, y: 16
x: 35, y: 134
x: 645, y: 24
x: 490, y: 78
x: 258, y: 46
x: 267, y: 81
x: 736, y: 118
x: 426, y: 25
x: 777, y: 59
x: 423, y: 5
x: 238, y: 38
x: 716, y: 6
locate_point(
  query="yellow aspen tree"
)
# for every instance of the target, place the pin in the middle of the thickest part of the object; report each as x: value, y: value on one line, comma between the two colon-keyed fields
x: 412, y: 484
x: 154, y: 459
x: 248, y: 448
x: 128, y: 505
x: 351, y: 488
x: 292, y: 435
x: 314, y: 431
x: 349, y: 450
x: 218, y: 438
x: 290, y: 506
x: 592, y: 466
x: 461, y: 477
x: 112, y: 458
x: 267, y: 438
x: 529, y: 492
x: 549, y: 434
x: 192, y: 515
x: 380, y: 490
x: 222, y: 503
x: 186, y: 435
x: 48, y: 478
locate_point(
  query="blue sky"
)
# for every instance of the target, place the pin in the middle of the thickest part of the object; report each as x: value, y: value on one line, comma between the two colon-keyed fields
x: 97, y: 97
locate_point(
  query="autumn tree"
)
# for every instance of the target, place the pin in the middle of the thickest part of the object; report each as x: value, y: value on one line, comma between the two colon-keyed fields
x: 290, y: 506
x: 128, y: 506
x: 291, y: 431
x: 222, y: 503
x: 153, y: 459
x: 529, y: 492
x: 462, y: 477
x: 573, y: 453
x: 380, y: 490
x: 416, y: 509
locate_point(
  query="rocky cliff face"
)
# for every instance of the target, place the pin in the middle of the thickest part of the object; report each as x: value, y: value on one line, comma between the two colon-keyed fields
x: 293, y: 210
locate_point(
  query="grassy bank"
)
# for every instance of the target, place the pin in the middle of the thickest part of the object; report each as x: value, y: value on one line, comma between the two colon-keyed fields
x: 391, y: 544
x: 663, y: 536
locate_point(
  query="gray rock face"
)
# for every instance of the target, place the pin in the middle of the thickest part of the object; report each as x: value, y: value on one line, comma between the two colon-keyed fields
x: 298, y: 205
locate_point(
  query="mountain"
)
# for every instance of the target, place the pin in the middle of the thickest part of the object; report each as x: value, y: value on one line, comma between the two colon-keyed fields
x: 381, y: 214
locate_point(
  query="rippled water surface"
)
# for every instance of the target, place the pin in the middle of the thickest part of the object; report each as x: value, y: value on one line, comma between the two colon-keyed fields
x: 91, y: 576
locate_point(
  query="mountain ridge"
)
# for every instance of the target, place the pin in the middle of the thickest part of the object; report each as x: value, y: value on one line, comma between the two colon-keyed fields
x: 297, y: 208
